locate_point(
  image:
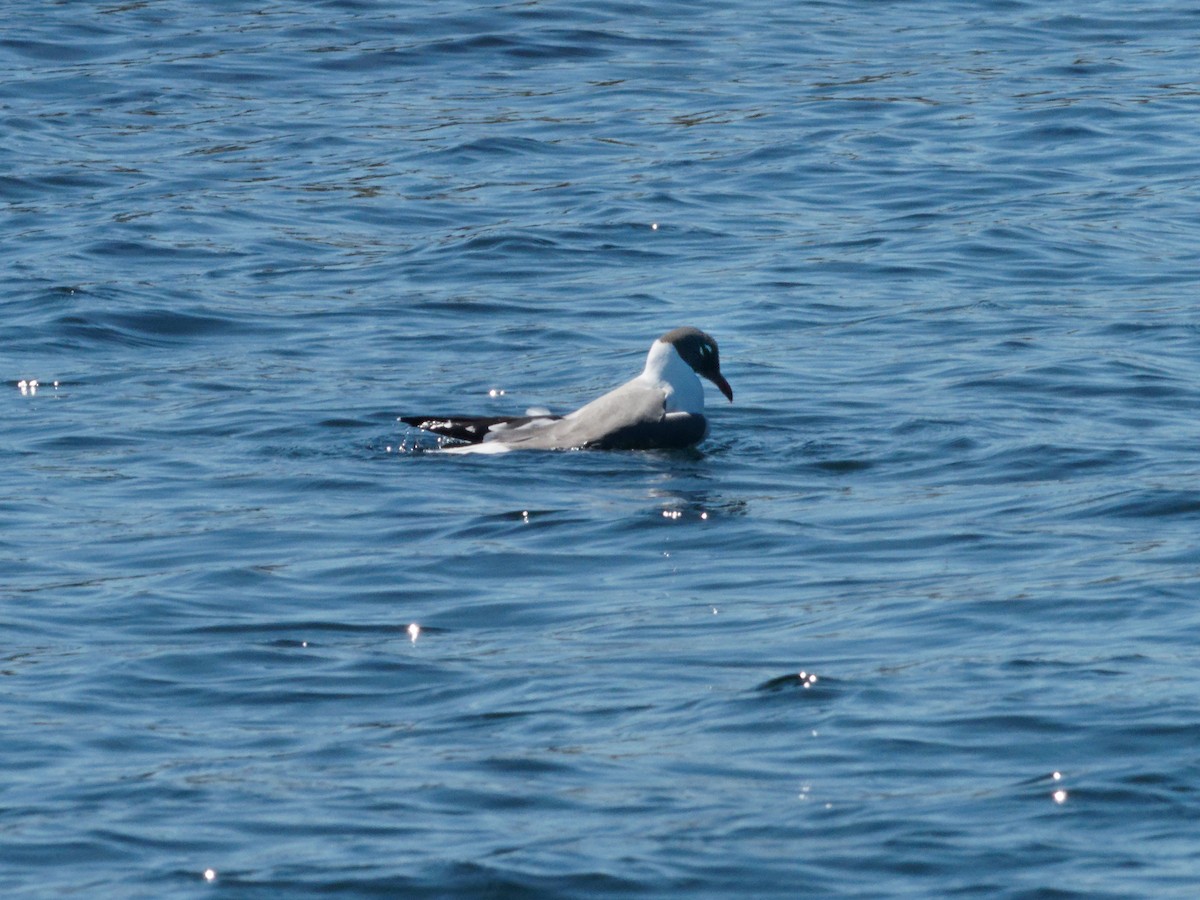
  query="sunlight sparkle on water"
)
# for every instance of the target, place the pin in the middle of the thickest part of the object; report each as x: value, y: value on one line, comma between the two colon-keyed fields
x: 414, y: 632
x: 1060, y: 795
x: 29, y: 388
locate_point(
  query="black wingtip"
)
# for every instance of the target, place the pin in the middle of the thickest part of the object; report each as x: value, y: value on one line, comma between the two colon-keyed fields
x: 472, y: 429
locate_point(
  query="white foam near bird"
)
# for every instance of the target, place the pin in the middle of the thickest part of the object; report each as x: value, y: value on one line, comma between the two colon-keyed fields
x: 662, y: 408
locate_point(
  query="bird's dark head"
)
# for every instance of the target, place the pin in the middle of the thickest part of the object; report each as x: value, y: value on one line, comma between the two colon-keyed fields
x: 699, y: 351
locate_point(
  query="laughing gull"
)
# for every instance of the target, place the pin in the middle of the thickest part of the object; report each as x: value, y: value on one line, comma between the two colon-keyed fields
x: 661, y: 408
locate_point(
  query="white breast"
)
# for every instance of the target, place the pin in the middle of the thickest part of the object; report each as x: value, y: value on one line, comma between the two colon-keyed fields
x: 666, y: 370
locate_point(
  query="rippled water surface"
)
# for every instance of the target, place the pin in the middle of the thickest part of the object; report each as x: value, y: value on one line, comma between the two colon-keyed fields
x: 918, y: 619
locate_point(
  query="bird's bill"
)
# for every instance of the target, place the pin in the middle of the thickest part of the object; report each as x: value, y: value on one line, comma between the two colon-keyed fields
x: 719, y: 380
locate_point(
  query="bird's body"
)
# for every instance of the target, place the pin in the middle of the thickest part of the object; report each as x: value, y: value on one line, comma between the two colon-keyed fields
x: 661, y: 408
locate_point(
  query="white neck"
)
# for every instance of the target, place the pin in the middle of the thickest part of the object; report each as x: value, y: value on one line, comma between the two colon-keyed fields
x: 665, y: 369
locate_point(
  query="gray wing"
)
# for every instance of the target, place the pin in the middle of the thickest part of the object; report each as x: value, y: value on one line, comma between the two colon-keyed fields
x: 632, y: 417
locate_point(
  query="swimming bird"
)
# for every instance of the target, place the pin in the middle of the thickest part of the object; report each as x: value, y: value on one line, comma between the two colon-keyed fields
x: 662, y: 408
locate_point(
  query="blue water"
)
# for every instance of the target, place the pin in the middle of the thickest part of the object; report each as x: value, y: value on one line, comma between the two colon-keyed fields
x: 951, y: 253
